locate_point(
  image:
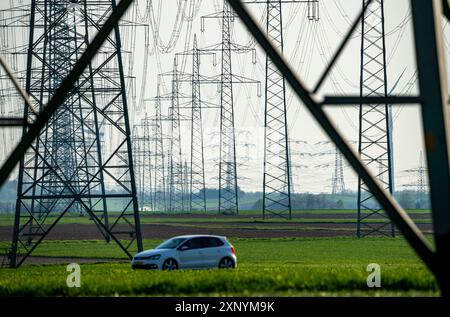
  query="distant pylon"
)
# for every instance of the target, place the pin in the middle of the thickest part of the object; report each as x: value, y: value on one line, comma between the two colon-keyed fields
x: 186, y: 187
x: 374, y: 123
x: 175, y: 161
x: 228, y: 180
x: 196, y: 177
x: 338, y: 184
x: 422, y: 190
x: 143, y: 154
x: 422, y: 170
x: 160, y: 203
x: 197, y: 170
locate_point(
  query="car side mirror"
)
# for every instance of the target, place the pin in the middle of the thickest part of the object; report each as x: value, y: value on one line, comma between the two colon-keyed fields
x: 183, y: 248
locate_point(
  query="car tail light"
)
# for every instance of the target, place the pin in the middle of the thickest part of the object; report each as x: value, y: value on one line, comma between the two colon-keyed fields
x: 232, y: 250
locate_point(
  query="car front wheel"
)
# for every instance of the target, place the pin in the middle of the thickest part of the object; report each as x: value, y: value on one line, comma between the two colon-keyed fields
x: 226, y: 263
x: 170, y: 265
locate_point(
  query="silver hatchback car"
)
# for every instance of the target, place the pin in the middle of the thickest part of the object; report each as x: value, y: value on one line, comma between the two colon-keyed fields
x: 188, y: 252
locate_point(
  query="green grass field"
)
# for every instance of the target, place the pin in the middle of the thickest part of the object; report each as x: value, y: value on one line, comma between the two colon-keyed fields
x: 284, y: 267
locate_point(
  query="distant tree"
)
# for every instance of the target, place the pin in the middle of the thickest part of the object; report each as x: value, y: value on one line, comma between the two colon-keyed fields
x: 8, y: 191
x: 340, y: 204
x: 406, y: 199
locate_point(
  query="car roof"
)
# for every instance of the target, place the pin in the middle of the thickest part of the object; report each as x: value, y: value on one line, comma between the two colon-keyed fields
x: 199, y: 236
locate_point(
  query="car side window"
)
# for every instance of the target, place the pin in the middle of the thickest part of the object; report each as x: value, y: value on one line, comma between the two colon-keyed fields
x: 211, y: 242
x: 194, y: 243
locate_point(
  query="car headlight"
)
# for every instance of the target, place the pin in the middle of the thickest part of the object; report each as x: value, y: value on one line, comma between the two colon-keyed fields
x: 150, y: 257
x: 154, y: 257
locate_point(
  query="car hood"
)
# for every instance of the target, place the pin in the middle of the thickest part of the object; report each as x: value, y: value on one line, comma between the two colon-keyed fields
x: 154, y: 252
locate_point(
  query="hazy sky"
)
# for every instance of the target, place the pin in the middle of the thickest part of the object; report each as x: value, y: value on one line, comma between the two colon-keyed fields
x: 308, y: 46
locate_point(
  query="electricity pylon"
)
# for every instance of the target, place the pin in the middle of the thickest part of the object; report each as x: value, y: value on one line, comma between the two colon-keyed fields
x: 68, y: 166
x: 168, y: 171
x: 374, y: 123
x: 186, y: 187
x: 228, y: 187
x: 228, y: 180
x: 421, y: 178
x: 338, y: 184
x: 196, y: 189
x: 420, y: 184
x: 160, y: 200
x: 197, y: 170
x: 277, y: 177
x: 197, y: 174
x: 197, y: 193
x: 143, y: 153
x: 175, y: 157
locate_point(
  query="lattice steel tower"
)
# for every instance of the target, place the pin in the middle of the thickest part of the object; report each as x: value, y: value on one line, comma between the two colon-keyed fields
x: 374, y: 123
x: 422, y: 187
x: 69, y: 168
x: 228, y: 190
x: 142, y: 157
x: 338, y: 184
x: 228, y: 180
x: 421, y: 176
x: 160, y: 203
x: 197, y: 174
x: 197, y: 170
x: 277, y: 178
x: 175, y: 162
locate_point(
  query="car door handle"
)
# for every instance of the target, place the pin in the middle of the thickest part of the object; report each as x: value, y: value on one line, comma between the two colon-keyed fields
x: 200, y: 252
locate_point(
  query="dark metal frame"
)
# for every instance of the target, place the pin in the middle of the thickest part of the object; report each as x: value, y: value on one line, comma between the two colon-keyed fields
x: 433, y: 99
x: 58, y: 98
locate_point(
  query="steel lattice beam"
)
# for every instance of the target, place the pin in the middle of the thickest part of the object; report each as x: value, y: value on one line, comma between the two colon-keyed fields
x: 430, y: 55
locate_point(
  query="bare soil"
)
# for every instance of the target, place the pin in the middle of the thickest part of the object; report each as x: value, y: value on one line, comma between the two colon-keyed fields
x: 229, y: 229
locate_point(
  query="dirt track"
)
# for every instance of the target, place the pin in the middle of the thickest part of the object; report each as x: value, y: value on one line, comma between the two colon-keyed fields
x: 231, y: 230
x: 310, y: 215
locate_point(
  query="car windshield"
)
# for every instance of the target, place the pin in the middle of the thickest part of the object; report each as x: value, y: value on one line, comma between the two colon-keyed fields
x: 171, y: 243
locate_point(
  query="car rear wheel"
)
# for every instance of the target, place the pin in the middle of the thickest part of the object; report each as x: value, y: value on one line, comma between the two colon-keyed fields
x: 170, y: 265
x: 226, y: 263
